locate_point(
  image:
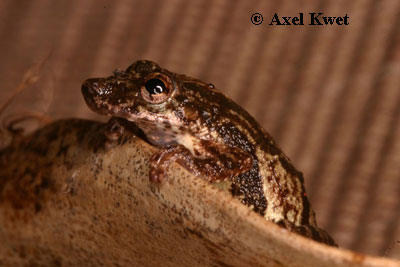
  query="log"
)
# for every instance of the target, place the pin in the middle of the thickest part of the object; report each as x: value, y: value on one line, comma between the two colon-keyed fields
x: 66, y: 201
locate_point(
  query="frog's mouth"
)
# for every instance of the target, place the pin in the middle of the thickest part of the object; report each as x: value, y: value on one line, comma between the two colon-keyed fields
x: 93, y: 94
x: 103, y: 96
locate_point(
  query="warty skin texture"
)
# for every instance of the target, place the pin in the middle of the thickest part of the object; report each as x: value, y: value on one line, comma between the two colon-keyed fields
x: 210, y: 135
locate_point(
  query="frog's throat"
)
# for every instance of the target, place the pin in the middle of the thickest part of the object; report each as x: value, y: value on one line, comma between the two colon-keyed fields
x: 153, y: 118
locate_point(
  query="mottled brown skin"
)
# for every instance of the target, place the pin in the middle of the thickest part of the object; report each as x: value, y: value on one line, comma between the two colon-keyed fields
x: 197, y: 126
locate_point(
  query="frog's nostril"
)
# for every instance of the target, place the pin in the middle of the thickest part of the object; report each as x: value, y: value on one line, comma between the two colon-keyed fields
x: 90, y: 90
x: 90, y: 87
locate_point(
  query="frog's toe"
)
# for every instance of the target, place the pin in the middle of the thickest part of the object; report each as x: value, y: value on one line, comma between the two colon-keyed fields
x: 114, y: 129
x: 156, y: 175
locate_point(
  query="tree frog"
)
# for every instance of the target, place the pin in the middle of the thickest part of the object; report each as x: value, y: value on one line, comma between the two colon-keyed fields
x: 211, y: 136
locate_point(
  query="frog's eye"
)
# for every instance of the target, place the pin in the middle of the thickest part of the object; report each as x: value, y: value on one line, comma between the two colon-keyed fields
x: 156, y: 88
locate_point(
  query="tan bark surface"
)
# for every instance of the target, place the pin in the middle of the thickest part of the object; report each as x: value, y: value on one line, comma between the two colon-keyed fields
x: 65, y: 201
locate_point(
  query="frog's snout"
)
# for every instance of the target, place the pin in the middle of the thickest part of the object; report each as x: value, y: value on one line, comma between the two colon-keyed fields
x: 90, y: 88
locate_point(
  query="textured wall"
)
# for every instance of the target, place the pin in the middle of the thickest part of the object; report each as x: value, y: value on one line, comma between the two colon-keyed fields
x: 330, y: 95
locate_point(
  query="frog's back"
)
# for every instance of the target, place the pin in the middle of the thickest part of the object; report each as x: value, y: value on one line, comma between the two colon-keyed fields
x: 272, y: 187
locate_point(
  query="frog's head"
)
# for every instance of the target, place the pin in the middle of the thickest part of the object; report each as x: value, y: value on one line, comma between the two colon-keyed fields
x: 141, y: 89
x: 144, y: 93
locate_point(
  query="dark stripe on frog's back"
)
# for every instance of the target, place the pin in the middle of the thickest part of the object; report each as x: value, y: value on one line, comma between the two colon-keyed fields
x: 252, y: 178
x: 223, y: 106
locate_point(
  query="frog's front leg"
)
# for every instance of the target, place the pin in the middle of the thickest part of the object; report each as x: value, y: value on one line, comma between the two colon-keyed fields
x: 214, y: 164
x: 114, y: 130
x: 116, y: 127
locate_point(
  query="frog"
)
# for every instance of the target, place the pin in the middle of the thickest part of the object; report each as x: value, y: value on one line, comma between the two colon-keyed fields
x: 197, y: 126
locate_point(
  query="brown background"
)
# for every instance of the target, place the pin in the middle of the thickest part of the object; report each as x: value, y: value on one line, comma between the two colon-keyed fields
x: 330, y: 95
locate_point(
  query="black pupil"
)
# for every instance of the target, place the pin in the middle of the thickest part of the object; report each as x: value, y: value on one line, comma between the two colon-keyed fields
x: 155, y: 86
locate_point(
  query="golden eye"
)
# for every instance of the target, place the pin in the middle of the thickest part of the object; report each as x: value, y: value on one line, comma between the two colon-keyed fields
x: 156, y: 88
